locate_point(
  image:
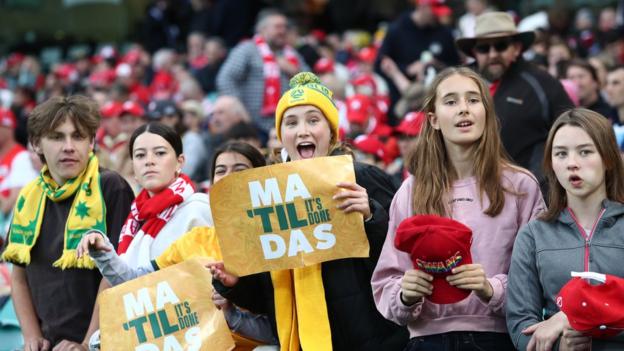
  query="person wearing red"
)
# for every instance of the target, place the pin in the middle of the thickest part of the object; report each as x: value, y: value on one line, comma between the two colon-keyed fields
x: 16, y: 170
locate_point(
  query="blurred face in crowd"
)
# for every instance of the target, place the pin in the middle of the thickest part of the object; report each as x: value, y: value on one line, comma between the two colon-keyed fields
x: 615, y: 88
x: 459, y: 111
x: 406, y: 143
x: 112, y: 126
x: 224, y: 115
x: 155, y: 162
x: 230, y: 162
x: 494, y: 56
x: 195, y: 44
x: 305, y: 132
x: 587, y: 86
x: 214, y: 51
x: 275, y: 31
x: 66, y: 151
x: 601, y: 70
x: 129, y: 123
x: 557, y: 53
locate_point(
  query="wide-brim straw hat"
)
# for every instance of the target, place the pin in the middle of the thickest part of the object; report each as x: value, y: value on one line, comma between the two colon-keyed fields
x: 495, y: 25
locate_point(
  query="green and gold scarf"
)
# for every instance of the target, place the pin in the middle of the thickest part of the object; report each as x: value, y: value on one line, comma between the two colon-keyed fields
x: 88, y: 212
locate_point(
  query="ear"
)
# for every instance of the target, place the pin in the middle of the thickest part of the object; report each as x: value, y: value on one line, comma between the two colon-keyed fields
x: 517, y: 49
x: 181, y: 160
x: 36, y: 146
x: 433, y: 120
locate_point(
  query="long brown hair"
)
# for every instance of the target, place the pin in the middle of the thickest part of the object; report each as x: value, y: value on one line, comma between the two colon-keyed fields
x: 601, y: 133
x: 429, y: 162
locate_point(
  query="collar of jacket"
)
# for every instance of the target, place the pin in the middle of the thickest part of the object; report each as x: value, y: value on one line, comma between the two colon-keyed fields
x: 613, y: 211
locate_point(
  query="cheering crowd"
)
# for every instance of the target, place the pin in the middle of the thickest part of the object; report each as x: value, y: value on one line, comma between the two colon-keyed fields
x: 487, y: 159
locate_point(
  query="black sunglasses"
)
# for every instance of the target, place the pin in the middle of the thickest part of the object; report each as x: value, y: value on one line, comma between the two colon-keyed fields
x: 499, y: 46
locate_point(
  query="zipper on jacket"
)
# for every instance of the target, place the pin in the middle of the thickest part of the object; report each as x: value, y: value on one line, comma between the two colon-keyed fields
x: 586, y: 237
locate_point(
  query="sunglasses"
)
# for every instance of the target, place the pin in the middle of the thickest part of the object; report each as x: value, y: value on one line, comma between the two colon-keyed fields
x: 499, y: 46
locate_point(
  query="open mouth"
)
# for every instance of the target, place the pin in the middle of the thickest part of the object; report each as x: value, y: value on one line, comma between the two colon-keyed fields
x: 575, y: 180
x: 463, y: 124
x: 306, y: 150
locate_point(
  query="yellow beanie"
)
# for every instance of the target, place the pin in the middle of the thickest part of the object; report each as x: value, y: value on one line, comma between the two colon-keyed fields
x: 306, y: 89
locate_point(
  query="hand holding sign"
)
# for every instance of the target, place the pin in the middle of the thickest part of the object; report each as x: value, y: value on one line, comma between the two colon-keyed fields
x: 218, y: 272
x: 286, y: 215
x: 355, y: 199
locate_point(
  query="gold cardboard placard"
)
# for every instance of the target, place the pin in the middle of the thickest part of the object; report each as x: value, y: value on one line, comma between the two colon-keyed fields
x: 283, y: 216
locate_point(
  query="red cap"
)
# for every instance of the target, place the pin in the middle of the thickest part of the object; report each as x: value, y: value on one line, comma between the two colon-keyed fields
x: 7, y: 118
x: 369, y: 144
x: 441, y: 11
x: 163, y: 81
x: 324, y: 65
x: 111, y: 109
x: 436, y: 246
x: 132, y: 108
x: 132, y: 57
x: 359, y: 109
x: 66, y: 71
x: 103, y: 78
x: 366, y: 80
x: 15, y: 58
x: 596, y: 310
x: 367, y: 54
x: 411, y: 124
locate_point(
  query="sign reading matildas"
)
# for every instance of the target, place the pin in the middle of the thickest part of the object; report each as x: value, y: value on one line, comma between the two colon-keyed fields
x: 283, y: 216
x: 168, y: 310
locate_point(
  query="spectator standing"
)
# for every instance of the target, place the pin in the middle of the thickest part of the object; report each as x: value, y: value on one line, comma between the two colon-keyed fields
x: 257, y: 71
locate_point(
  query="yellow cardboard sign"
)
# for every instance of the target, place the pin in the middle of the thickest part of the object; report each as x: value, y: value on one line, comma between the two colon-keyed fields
x: 170, y: 309
x: 283, y: 216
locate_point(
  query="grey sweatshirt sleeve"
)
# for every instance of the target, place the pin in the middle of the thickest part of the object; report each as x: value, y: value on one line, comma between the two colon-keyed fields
x: 250, y: 325
x: 114, y: 269
x: 524, y: 291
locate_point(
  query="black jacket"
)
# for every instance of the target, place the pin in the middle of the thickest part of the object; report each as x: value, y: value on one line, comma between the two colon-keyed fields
x: 527, y: 102
x: 354, y: 320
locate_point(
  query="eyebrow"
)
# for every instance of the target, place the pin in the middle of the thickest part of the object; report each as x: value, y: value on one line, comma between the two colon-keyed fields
x: 154, y: 148
x: 470, y: 92
x: 577, y: 146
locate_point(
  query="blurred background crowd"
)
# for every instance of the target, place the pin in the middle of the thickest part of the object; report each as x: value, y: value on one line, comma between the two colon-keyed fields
x: 190, y: 64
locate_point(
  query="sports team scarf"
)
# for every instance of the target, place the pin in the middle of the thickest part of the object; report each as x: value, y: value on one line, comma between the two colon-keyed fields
x: 271, y: 70
x: 150, y: 214
x: 301, y: 309
x: 88, y: 212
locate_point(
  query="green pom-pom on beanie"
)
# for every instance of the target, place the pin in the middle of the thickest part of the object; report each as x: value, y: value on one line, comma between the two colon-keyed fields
x: 304, y: 78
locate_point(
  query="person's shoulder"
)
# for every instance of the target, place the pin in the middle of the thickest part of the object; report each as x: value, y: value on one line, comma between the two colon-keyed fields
x: 520, y: 179
x: 112, y: 179
x: 199, y: 201
x: 365, y: 173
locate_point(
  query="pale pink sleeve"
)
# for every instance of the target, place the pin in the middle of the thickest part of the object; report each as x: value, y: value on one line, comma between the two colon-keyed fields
x: 392, y: 264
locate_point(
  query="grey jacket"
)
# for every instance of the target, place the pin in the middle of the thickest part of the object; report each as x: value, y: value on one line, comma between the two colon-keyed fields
x: 545, y: 253
x: 242, y: 75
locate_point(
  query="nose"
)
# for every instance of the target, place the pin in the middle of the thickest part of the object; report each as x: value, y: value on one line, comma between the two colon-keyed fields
x: 302, y: 130
x: 68, y: 145
x: 463, y: 106
x: 149, y: 158
x: 572, y: 161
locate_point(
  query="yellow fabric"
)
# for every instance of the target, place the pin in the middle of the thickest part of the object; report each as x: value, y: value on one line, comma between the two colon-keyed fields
x: 197, y: 242
x: 306, y: 89
x: 88, y: 212
x: 301, y: 309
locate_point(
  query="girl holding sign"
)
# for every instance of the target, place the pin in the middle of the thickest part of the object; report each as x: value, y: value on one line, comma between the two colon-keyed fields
x: 337, y: 312
x: 580, y: 231
x: 200, y: 241
x: 459, y: 171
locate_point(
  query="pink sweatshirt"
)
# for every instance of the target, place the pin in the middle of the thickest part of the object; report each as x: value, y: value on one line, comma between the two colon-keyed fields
x: 492, y: 242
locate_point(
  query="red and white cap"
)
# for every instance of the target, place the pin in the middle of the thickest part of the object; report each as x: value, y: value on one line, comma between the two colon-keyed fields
x: 7, y: 118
